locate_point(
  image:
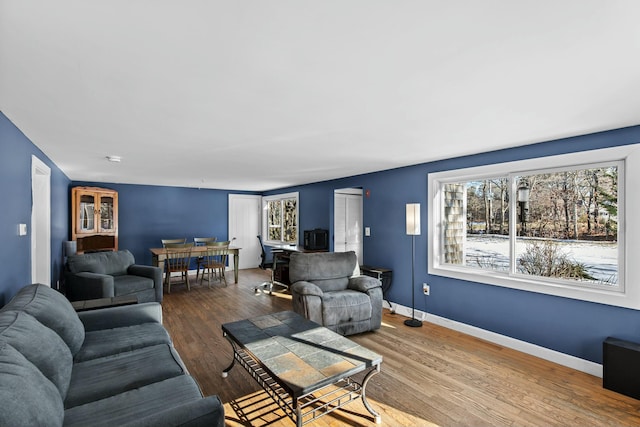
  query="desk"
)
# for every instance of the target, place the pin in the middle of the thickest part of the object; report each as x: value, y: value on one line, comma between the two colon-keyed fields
x: 281, y: 274
x: 287, y: 248
x: 158, y: 256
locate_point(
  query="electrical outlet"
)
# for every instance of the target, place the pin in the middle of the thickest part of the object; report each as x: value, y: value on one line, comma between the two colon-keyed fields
x: 425, y: 289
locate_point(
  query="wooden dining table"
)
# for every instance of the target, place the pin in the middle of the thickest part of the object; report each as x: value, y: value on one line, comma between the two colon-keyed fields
x: 158, y: 255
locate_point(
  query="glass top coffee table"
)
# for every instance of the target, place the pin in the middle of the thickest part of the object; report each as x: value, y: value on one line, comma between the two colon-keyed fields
x: 306, y: 368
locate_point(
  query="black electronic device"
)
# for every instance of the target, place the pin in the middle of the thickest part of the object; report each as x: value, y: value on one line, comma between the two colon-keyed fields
x: 620, y: 367
x: 316, y: 239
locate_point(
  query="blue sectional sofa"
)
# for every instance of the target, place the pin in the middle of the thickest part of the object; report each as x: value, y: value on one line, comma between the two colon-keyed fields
x: 105, y: 367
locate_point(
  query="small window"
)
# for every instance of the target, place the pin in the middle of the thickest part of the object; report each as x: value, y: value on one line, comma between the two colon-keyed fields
x: 280, y: 219
x: 552, y: 225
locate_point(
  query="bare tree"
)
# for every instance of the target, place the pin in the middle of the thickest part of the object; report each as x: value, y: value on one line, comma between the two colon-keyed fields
x: 486, y: 194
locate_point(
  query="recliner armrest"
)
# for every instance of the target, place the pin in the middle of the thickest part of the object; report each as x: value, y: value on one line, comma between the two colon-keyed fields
x: 364, y: 283
x: 306, y: 288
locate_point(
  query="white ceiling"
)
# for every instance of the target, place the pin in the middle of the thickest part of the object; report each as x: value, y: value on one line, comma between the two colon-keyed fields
x: 264, y: 94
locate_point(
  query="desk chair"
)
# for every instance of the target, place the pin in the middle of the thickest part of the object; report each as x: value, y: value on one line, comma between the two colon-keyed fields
x: 201, y: 241
x: 178, y: 259
x: 215, y: 261
x: 272, y: 265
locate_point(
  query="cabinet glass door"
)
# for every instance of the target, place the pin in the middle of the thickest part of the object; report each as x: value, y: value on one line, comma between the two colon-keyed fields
x: 87, y: 212
x: 106, y: 214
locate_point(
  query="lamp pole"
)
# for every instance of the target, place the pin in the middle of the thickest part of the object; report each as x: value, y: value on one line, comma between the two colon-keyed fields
x: 413, y: 229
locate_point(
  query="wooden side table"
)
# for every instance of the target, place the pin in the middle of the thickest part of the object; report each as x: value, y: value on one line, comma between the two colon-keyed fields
x: 382, y: 274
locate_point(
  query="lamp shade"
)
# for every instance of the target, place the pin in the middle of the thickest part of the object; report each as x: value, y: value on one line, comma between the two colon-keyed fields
x: 413, y: 219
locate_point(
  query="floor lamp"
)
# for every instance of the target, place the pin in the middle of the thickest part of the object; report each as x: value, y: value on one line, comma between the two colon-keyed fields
x: 413, y: 229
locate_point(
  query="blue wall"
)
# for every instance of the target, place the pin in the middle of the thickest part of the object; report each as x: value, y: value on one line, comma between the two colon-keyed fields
x: 150, y: 213
x: 147, y: 214
x: 565, y: 325
x: 15, y: 192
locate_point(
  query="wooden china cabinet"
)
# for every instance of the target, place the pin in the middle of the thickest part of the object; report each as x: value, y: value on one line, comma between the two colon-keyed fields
x: 94, y: 221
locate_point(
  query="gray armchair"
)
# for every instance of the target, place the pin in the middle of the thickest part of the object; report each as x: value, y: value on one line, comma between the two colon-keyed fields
x: 111, y: 274
x: 328, y: 289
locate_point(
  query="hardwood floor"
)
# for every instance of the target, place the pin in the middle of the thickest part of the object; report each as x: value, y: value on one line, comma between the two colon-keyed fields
x: 430, y: 375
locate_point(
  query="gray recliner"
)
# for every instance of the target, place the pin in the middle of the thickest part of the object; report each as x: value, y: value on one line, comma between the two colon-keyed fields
x: 111, y: 274
x: 328, y: 289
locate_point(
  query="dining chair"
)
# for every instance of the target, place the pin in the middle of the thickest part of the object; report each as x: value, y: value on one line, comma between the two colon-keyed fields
x: 202, y: 241
x: 172, y: 241
x: 215, y: 261
x: 166, y: 242
x: 177, y: 260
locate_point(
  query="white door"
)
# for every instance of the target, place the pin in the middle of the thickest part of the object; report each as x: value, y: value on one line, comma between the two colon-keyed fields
x: 244, y: 227
x: 40, y: 222
x: 347, y: 221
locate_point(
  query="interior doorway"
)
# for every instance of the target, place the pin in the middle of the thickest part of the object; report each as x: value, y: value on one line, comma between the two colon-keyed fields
x: 40, y: 222
x: 244, y: 227
x: 347, y: 221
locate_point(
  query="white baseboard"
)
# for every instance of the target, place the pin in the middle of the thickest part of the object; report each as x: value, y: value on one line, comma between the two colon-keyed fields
x: 563, y: 359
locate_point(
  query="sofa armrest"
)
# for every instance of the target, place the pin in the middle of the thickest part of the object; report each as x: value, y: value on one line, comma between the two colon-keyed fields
x: 208, y: 411
x: 86, y: 285
x: 364, y: 283
x: 116, y: 317
x: 154, y: 273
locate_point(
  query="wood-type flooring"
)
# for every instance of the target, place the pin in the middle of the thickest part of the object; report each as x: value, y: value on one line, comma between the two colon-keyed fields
x: 431, y: 376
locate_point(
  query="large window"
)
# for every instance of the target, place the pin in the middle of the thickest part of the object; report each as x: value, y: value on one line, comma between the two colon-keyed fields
x: 554, y: 225
x: 280, y: 219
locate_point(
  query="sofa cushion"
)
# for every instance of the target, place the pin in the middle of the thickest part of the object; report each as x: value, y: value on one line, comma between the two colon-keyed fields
x: 39, y: 345
x: 149, y: 295
x: 108, y: 342
x: 113, y: 263
x: 80, y: 263
x: 53, y: 310
x: 127, y: 285
x: 135, y: 405
x: 107, y: 376
x: 28, y: 398
x: 345, y: 307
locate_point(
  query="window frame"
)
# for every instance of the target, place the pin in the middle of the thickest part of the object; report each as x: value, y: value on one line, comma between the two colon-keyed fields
x: 626, y: 294
x: 265, y: 217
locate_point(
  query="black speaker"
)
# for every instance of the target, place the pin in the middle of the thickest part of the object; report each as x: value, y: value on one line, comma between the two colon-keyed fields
x: 621, y: 367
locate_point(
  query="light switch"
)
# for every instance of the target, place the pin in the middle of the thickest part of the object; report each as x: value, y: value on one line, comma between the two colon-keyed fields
x: 22, y: 229
x: 367, y: 231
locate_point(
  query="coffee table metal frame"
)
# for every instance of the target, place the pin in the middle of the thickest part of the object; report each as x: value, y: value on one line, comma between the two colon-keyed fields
x: 320, y: 400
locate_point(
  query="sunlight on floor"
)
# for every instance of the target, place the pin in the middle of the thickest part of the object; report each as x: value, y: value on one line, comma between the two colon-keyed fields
x: 386, y: 325
x: 258, y: 409
x: 274, y: 294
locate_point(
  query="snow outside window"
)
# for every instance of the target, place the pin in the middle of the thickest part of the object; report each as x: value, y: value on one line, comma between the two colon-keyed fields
x: 553, y: 225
